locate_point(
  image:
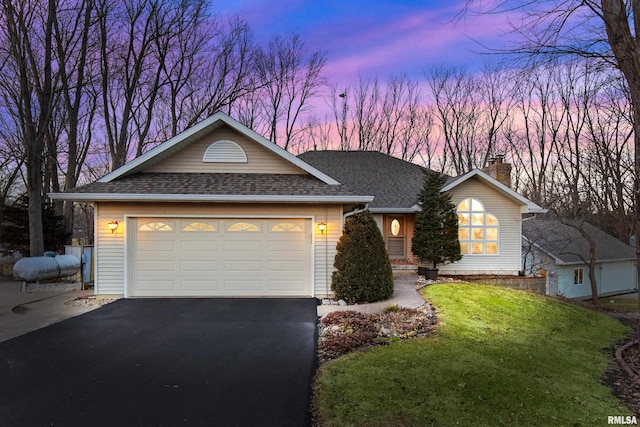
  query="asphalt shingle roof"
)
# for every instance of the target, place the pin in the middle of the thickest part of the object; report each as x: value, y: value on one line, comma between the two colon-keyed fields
x: 567, y: 244
x: 395, y: 183
x: 242, y: 184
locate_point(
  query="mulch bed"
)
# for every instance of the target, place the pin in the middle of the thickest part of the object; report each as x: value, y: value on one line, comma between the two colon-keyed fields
x: 342, y: 332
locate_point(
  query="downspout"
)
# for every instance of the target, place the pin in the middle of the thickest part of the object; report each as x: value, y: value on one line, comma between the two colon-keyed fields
x: 357, y: 211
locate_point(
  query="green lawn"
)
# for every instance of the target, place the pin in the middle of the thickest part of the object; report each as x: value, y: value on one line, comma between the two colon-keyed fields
x: 621, y: 303
x: 498, y: 357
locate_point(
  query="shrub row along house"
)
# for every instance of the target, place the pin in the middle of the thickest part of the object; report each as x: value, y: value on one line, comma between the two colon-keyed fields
x: 218, y: 210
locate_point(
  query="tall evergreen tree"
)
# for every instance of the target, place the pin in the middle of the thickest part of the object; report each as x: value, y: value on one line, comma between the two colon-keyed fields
x: 435, y: 237
x: 363, y: 272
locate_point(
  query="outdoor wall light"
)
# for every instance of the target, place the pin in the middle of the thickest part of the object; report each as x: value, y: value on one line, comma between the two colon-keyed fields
x: 113, y: 226
x: 322, y: 226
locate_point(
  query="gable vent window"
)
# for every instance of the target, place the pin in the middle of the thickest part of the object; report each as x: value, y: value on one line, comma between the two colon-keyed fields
x: 224, y: 151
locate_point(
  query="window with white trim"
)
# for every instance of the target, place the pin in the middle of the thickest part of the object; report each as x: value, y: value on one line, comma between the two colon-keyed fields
x: 578, y: 276
x: 478, y: 230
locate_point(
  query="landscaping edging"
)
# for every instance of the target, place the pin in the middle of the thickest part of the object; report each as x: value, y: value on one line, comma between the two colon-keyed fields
x: 620, y: 351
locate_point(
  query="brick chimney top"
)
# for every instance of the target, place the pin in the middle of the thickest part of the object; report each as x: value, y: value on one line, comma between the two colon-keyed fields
x: 499, y: 170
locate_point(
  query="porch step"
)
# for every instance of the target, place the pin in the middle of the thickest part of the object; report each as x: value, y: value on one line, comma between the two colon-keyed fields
x: 404, y: 267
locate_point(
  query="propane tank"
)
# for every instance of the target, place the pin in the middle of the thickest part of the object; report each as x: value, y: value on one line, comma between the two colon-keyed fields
x: 33, y: 269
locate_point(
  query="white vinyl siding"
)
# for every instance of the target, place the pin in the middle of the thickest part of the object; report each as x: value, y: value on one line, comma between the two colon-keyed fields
x: 259, y: 159
x: 110, y: 248
x: 507, y: 212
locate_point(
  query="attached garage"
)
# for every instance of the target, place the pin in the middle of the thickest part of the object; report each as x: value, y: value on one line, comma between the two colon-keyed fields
x: 220, y: 257
x: 216, y: 211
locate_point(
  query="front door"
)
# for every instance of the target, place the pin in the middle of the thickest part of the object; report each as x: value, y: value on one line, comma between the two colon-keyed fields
x: 395, y: 236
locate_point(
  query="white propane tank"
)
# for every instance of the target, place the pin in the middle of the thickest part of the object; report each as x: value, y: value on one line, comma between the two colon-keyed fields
x: 33, y: 269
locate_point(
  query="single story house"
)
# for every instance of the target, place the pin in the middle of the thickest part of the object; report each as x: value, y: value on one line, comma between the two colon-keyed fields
x: 489, y: 211
x: 219, y: 210
x: 562, y: 253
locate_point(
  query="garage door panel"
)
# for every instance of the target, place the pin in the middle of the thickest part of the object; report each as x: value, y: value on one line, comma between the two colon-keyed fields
x: 287, y: 286
x: 286, y: 246
x: 200, y: 256
x: 242, y: 266
x: 156, y: 245
x: 242, y: 245
x: 221, y: 257
x: 241, y: 286
x: 146, y: 266
x: 198, y: 266
x: 286, y: 266
x: 156, y: 285
x: 199, y: 245
x: 199, y: 285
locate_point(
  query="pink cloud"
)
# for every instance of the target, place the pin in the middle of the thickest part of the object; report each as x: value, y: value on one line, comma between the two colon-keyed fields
x: 409, y: 44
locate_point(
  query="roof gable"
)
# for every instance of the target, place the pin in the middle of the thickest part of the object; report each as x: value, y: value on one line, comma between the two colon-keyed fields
x: 224, y: 150
x: 527, y: 206
x: 152, y: 160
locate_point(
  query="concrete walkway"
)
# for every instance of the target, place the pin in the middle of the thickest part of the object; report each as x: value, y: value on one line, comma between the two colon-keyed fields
x: 23, y: 312
x: 404, y: 295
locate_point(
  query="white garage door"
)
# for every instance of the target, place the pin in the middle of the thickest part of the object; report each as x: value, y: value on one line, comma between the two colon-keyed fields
x: 220, y: 257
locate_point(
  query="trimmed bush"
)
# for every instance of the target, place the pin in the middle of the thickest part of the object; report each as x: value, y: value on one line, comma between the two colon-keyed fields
x: 363, y: 272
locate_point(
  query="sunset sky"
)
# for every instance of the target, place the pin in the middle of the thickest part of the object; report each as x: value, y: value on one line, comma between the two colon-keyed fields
x: 380, y: 38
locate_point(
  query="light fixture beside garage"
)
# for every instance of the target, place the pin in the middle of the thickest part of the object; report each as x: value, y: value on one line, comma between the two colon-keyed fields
x: 113, y: 226
x: 322, y: 226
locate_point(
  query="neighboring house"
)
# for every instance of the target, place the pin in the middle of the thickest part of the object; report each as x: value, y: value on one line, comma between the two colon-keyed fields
x: 489, y: 212
x: 218, y: 210
x: 562, y: 254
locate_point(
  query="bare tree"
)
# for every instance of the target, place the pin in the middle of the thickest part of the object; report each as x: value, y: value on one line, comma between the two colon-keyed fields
x: 367, y: 114
x: 208, y: 68
x: 28, y: 77
x: 290, y: 75
x: 458, y: 112
x: 136, y: 38
x: 74, y: 45
x: 533, y: 132
x: 610, y: 160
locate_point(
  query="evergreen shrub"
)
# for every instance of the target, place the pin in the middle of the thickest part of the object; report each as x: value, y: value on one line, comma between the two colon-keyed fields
x: 363, y: 272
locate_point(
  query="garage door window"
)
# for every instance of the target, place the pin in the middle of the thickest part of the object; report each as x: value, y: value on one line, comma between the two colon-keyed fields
x: 287, y: 226
x: 243, y: 226
x: 155, y: 226
x: 199, y: 226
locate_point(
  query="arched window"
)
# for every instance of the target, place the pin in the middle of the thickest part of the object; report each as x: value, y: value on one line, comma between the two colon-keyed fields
x: 199, y: 226
x: 155, y: 226
x: 243, y: 226
x: 286, y: 227
x: 478, y: 230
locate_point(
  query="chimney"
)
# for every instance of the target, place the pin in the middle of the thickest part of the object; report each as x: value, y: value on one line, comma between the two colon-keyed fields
x: 499, y: 170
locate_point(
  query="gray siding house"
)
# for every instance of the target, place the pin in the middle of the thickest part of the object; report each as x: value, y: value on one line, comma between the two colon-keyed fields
x: 560, y: 252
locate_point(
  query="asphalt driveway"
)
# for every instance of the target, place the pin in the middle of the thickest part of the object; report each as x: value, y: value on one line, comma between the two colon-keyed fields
x: 165, y: 362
